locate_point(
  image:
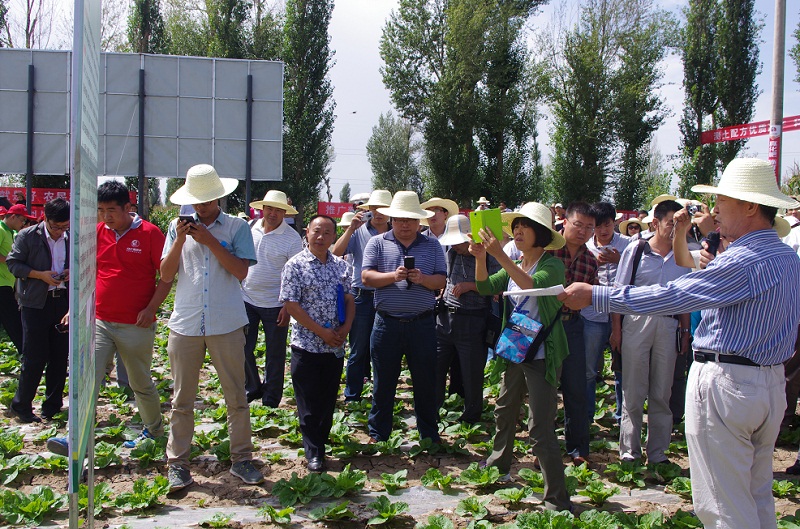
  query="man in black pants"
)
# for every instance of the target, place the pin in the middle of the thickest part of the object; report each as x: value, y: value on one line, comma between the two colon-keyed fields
x: 40, y: 260
x: 14, y: 221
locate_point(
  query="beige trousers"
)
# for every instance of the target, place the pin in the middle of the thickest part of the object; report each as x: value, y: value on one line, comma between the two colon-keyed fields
x: 733, y: 415
x: 186, y: 354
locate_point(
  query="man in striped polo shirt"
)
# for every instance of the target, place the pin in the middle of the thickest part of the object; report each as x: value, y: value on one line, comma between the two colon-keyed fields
x: 404, y: 325
x: 735, y: 396
x: 275, y: 243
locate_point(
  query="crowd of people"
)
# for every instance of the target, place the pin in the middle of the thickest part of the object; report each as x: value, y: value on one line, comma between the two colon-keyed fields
x: 410, y: 282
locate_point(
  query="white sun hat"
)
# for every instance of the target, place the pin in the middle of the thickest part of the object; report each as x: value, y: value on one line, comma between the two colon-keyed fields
x: 347, y: 218
x: 751, y: 180
x: 455, y: 231
x: 276, y: 199
x: 405, y: 205
x: 380, y: 197
x: 540, y: 214
x: 661, y: 198
x: 483, y: 201
x: 436, y: 202
x: 203, y: 184
x: 782, y: 226
x: 623, y: 226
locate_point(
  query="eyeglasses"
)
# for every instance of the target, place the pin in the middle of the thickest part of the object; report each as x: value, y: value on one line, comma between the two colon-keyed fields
x: 634, y: 227
x: 57, y: 229
x: 581, y: 227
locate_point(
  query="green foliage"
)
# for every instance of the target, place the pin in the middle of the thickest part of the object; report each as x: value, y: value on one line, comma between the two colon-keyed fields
x: 162, y: 215
x: 436, y: 521
x: 465, y: 430
x: 392, y: 155
x: 392, y: 482
x: 106, y: 454
x: 280, y: 517
x: 665, y: 472
x: 332, y: 512
x: 681, y: 486
x: 598, y: 493
x: 18, y: 508
x: 433, y: 478
x: 387, y: 510
x: 144, y: 494
x: 479, y: 477
x: 545, y: 520
x: 347, y: 481
x: 627, y: 473
x: 513, y: 495
x: 784, y: 488
x: 218, y: 521
x: 103, y: 498
x: 8, y: 388
x: 582, y: 473
x: 149, y: 450
x: 11, y: 442
x: 473, y: 506
x: 534, y: 479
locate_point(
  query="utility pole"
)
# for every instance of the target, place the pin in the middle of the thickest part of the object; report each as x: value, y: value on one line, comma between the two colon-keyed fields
x: 778, y: 59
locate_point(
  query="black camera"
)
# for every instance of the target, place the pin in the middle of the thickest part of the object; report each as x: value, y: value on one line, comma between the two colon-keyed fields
x: 693, y: 209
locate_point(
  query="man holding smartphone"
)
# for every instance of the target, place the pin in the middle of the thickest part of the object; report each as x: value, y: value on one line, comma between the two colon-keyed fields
x: 40, y: 260
x: 404, y: 324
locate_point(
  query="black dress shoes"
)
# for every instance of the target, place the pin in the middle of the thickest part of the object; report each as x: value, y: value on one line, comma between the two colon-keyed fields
x: 24, y: 416
x: 316, y: 464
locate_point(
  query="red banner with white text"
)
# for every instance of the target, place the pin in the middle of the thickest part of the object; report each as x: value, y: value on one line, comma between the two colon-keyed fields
x: 748, y: 130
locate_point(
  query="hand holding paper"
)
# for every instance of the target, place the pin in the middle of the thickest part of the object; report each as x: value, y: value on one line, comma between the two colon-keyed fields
x: 536, y: 292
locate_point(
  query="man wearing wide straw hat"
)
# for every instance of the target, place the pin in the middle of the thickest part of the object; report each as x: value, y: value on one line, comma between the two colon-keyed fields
x: 367, y: 223
x: 275, y: 242
x: 210, y: 254
x: 735, y: 398
x: 404, y: 326
x: 442, y: 209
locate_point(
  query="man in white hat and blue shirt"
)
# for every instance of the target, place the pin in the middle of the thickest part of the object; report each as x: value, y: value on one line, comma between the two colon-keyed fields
x: 735, y: 398
x: 405, y: 296
x: 275, y: 243
x: 210, y: 254
x: 366, y: 224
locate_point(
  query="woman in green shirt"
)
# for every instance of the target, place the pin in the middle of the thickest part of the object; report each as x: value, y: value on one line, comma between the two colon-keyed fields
x: 539, y: 374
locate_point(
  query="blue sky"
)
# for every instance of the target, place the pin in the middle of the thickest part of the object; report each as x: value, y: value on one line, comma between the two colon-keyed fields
x: 360, y: 96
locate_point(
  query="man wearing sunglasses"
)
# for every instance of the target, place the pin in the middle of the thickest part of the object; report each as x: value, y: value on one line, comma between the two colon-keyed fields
x: 40, y: 260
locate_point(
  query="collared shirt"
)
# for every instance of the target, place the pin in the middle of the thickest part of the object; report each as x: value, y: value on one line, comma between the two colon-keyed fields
x: 384, y: 253
x: 6, y: 240
x: 581, y: 268
x: 739, y: 293
x: 605, y: 272
x: 262, y: 286
x: 355, y: 247
x: 208, y: 299
x: 58, y: 254
x: 461, y: 269
x: 135, y: 224
x: 654, y: 269
x: 428, y: 233
x: 313, y: 284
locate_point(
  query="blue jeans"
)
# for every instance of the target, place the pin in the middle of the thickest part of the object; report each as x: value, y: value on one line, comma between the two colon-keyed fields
x: 358, y: 362
x: 595, y: 337
x: 271, y: 390
x: 573, y: 390
x: 416, y: 340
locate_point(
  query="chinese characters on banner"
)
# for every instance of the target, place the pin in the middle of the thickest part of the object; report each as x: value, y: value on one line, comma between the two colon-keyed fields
x: 334, y: 209
x: 40, y: 195
x: 748, y: 130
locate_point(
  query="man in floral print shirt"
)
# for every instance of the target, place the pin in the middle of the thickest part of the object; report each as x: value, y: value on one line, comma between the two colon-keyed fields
x: 315, y: 289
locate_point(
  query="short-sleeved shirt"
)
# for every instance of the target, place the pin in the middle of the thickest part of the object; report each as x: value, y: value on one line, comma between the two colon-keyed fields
x: 606, y: 273
x: 126, y: 270
x: 653, y: 268
x: 6, y: 240
x: 384, y: 253
x: 313, y: 284
x: 208, y: 298
x: 262, y: 286
x: 355, y: 247
x: 582, y: 268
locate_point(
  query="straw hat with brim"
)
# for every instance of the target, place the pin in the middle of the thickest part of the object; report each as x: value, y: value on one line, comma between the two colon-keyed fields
x: 751, y: 180
x: 661, y: 198
x: 540, y: 214
x: 456, y: 230
x: 623, y: 226
x: 380, y: 198
x: 436, y: 202
x: 276, y: 199
x: 347, y: 218
x: 203, y: 184
x: 781, y: 225
x: 483, y: 200
x: 405, y: 205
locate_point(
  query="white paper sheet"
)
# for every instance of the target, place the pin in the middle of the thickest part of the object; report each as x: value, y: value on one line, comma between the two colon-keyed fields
x: 536, y: 292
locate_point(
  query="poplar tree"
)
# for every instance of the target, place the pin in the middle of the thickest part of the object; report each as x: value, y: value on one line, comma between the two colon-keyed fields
x: 794, y: 51
x: 391, y: 154
x: 146, y: 28
x: 308, y: 100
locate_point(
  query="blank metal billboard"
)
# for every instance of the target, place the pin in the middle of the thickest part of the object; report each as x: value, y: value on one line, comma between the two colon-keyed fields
x: 195, y: 111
